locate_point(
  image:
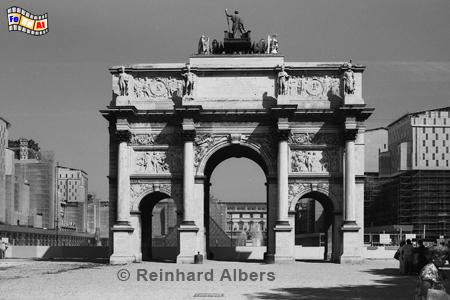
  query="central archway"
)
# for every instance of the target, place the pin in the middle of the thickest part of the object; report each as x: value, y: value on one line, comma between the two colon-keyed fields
x: 236, y: 230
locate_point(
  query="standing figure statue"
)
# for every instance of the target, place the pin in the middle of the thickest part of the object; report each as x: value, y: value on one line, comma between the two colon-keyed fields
x: 238, y: 27
x: 188, y: 81
x: 123, y: 82
x: 283, y: 78
x: 273, y: 44
x: 349, y: 78
x: 203, y: 45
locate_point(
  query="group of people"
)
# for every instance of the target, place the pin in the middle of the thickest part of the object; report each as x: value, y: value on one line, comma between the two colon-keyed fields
x: 427, y: 263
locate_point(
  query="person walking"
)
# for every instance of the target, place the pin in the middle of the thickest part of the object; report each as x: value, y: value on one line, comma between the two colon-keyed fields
x: 419, y: 257
x: 398, y: 256
x: 3, y: 248
x: 408, y: 257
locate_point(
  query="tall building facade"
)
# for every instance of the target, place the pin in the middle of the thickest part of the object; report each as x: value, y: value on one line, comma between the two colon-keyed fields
x: 413, y: 184
x: 4, y: 125
x: 72, y: 198
x: 34, y: 170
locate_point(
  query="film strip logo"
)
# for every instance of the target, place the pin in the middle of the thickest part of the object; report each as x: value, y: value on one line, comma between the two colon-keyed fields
x: 21, y: 20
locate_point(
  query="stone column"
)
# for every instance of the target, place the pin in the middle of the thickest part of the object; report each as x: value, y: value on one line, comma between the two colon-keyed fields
x: 284, y: 243
x: 188, y: 230
x: 123, y: 180
x: 351, y: 242
x: 283, y: 169
x: 122, y: 231
x: 350, y: 177
x: 188, y: 178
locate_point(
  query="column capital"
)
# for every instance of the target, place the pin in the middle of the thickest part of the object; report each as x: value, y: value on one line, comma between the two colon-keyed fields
x: 350, y: 134
x: 188, y: 135
x: 283, y: 134
x: 123, y: 135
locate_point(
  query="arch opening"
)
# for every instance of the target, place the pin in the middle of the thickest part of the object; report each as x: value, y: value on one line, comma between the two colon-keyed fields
x: 159, y: 223
x: 236, y: 204
x: 314, y: 227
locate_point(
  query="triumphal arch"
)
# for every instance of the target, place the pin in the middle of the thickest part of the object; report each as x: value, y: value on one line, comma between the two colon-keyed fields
x: 171, y: 124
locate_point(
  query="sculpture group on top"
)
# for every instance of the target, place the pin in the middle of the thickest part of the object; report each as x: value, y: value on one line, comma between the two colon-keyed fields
x: 237, y: 40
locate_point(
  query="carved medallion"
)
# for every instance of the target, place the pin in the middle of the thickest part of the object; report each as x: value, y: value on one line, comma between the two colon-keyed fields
x: 314, y: 87
x: 157, y: 88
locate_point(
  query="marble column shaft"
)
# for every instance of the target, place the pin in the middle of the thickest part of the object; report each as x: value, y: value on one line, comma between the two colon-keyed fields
x: 350, y: 180
x: 123, y: 185
x: 283, y: 181
x: 188, y: 182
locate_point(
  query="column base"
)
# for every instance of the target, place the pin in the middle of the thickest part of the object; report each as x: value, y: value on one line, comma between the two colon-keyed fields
x: 351, y: 260
x: 284, y: 243
x: 352, y: 244
x: 187, y: 233
x: 121, y: 260
x: 122, y: 250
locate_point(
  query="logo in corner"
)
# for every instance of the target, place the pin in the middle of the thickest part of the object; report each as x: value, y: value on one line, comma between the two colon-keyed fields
x: 21, y: 20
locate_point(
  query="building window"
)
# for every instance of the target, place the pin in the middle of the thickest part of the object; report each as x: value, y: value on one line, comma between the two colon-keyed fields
x: 423, y: 129
x: 445, y: 123
x: 423, y: 143
x: 424, y: 121
x: 423, y: 155
x: 426, y: 163
x: 434, y: 121
x: 426, y: 136
x: 426, y: 149
x: 437, y: 163
x: 443, y: 156
x: 434, y: 129
x: 434, y: 156
x: 434, y: 143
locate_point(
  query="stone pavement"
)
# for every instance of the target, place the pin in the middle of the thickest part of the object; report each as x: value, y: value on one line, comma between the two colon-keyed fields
x: 27, y: 279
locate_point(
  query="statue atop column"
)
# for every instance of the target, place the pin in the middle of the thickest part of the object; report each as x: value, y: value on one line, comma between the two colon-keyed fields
x: 189, y: 78
x: 349, y: 78
x: 283, y: 78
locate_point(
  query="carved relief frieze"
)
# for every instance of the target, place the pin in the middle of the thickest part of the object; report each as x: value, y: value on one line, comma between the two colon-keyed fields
x: 315, y: 161
x: 147, y: 88
x: 149, y: 139
x: 157, y: 162
x: 203, y: 143
x: 315, y: 87
x: 308, y: 138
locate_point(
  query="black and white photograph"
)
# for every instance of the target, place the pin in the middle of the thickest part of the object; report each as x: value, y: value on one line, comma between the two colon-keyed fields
x: 206, y: 149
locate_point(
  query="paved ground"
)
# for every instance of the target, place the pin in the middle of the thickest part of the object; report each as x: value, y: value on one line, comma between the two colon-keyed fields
x: 26, y: 279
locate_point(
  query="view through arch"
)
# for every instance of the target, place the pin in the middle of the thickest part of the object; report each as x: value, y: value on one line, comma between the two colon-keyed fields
x: 237, y: 212
x: 159, y: 241
x: 313, y: 227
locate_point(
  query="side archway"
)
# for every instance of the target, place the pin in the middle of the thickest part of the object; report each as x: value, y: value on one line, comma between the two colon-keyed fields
x: 324, y: 225
x: 159, y: 222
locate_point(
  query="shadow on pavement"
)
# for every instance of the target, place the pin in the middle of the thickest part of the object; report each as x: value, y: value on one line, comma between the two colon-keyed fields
x: 392, y: 285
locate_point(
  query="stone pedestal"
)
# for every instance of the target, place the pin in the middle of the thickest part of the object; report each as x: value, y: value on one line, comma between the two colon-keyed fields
x: 284, y: 244
x: 188, y: 244
x: 351, y: 241
x: 122, y: 250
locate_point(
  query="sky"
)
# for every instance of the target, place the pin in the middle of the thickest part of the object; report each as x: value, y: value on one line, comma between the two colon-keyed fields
x: 52, y: 87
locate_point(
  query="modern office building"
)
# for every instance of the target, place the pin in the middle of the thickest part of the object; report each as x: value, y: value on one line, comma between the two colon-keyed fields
x: 413, y: 184
x: 72, y: 198
x: 34, y: 170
